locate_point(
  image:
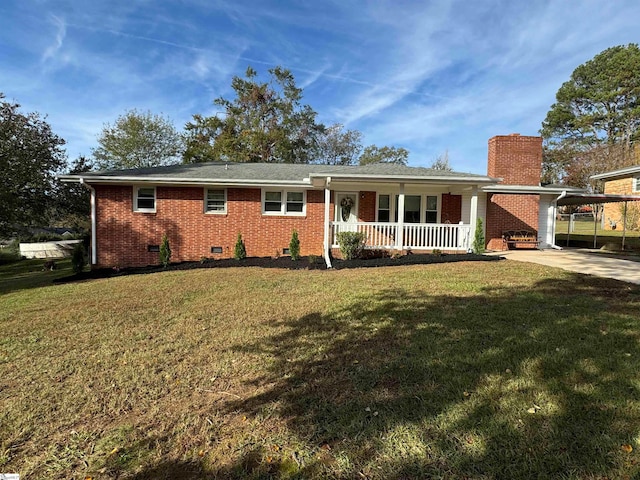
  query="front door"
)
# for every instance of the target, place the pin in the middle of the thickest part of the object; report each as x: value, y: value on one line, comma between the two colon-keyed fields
x: 346, y: 208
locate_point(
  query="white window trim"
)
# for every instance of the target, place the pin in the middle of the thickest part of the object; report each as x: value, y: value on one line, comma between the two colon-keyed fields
x: 214, y: 212
x: 438, y: 210
x: 393, y: 205
x: 136, y: 188
x: 283, y: 203
x: 635, y: 184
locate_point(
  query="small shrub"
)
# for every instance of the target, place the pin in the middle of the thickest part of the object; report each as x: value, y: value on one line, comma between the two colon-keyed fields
x: 78, y: 258
x: 351, y: 244
x: 313, y: 259
x: 478, y: 239
x: 294, y: 246
x: 437, y: 252
x: 240, y: 251
x: 165, y: 251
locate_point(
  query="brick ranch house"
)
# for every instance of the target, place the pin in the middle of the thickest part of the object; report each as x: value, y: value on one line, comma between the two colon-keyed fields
x: 624, y: 182
x: 203, y: 207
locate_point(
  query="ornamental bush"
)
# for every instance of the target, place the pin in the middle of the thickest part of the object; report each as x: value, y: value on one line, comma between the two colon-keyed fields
x: 478, y: 239
x: 165, y: 251
x: 351, y: 244
x: 294, y: 246
x: 240, y: 251
x: 78, y: 258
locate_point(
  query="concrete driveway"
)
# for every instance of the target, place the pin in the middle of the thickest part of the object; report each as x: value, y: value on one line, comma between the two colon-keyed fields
x: 581, y: 261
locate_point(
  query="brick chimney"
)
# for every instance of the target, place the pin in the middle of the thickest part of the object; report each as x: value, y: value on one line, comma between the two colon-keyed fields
x: 515, y: 158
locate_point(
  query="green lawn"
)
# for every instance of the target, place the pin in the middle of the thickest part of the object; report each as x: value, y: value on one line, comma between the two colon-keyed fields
x: 467, y: 370
x: 23, y: 274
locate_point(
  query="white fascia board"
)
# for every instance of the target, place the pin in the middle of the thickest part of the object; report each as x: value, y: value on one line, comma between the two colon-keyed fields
x: 405, y: 179
x: 529, y: 189
x: 623, y: 172
x: 98, y: 179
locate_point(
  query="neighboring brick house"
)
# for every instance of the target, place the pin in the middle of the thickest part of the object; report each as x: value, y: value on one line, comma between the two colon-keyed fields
x: 625, y: 181
x: 203, y: 207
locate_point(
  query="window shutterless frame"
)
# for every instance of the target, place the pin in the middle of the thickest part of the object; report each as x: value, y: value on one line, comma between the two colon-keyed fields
x: 215, y: 201
x: 144, y: 199
x: 284, y: 202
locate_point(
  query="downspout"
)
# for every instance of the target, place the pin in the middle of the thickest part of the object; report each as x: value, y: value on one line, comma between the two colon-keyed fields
x: 555, y: 214
x: 94, y: 247
x: 327, y: 214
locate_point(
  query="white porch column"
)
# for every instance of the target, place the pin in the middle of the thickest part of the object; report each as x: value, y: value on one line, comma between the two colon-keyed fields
x: 473, y: 217
x: 327, y: 218
x: 400, y: 210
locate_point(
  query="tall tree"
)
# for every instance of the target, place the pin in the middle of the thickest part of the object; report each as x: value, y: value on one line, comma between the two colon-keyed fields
x: 337, y: 146
x: 442, y: 162
x: 596, y: 116
x: 137, y: 140
x: 374, y: 154
x: 30, y: 155
x: 265, y: 122
x: 71, y: 205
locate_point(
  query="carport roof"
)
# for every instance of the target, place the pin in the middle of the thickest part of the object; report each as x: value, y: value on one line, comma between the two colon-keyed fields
x: 586, y: 198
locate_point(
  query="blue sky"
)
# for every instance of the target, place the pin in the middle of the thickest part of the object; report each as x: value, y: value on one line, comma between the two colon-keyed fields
x: 429, y: 76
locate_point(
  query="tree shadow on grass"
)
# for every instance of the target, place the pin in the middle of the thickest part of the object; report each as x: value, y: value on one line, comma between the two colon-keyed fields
x: 510, y: 383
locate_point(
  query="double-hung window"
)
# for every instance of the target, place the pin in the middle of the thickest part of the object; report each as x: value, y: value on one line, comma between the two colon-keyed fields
x: 283, y: 202
x: 144, y: 199
x: 432, y: 209
x: 636, y: 184
x: 384, y: 208
x: 215, y: 200
x: 412, y: 213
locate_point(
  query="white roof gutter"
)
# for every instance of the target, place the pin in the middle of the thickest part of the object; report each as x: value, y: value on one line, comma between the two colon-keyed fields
x: 179, y: 181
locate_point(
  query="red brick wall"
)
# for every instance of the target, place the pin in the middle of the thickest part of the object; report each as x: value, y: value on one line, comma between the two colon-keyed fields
x: 123, y: 235
x: 451, y: 208
x: 515, y: 158
x: 509, y: 212
x: 367, y: 207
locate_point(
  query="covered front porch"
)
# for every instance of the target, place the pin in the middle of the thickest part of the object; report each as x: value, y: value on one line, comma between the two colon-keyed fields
x: 420, y: 213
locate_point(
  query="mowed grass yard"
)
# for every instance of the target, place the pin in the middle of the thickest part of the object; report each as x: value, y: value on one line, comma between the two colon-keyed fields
x: 466, y: 370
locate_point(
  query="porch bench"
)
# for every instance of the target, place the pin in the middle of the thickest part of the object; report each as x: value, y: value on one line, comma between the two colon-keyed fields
x: 520, y: 238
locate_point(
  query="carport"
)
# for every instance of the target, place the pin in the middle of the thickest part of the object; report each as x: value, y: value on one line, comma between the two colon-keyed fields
x: 593, y: 199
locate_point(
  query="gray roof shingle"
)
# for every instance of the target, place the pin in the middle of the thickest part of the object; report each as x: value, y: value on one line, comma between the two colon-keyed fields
x: 273, y: 172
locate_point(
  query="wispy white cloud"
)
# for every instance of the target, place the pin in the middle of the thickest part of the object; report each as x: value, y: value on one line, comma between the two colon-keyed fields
x: 61, y: 32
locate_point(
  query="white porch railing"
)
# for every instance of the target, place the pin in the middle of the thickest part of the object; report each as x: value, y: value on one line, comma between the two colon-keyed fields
x: 418, y: 236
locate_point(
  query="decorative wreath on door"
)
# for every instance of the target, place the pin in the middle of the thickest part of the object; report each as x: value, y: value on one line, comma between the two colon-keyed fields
x: 346, y: 203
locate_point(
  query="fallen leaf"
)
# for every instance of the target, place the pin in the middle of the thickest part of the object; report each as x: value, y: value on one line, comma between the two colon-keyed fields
x: 626, y: 448
x: 368, y: 409
x: 114, y: 451
x: 244, y: 418
x: 466, y: 394
x: 531, y: 410
x: 375, y: 414
x: 269, y: 459
x: 325, y: 446
x: 275, y: 448
x: 201, y: 453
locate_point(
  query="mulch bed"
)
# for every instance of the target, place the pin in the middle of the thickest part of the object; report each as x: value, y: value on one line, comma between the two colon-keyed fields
x: 304, y: 263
